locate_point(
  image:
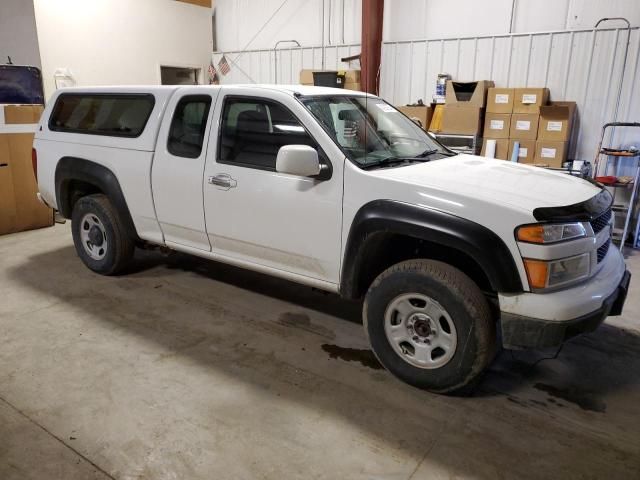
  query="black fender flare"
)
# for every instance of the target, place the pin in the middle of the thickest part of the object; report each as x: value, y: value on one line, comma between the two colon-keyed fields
x: 71, y: 169
x: 482, y: 245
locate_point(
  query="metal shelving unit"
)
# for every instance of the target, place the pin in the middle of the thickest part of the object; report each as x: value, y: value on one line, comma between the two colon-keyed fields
x: 610, y: 158
x: 471, y: 144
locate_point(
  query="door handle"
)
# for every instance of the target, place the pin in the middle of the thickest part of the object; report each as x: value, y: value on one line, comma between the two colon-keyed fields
x: 223, y: 180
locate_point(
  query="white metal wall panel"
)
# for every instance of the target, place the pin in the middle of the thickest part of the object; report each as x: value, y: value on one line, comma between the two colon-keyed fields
x: 584, y: 66
x: 239, y: 21
x: 259, y: 66
x: 406, y: 20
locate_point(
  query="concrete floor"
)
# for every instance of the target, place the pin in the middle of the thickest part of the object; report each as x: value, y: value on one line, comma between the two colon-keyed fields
x: 189, y: 369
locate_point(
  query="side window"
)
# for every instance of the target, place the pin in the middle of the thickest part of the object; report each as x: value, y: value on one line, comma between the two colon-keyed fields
x: 115, y: 115
x: 253, y: 130
x: 188, y: 125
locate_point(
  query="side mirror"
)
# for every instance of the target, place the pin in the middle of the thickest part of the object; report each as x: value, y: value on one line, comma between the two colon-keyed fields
x: 299, y: 160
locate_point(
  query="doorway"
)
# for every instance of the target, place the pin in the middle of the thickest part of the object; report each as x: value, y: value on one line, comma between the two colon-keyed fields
x: 179, y: 76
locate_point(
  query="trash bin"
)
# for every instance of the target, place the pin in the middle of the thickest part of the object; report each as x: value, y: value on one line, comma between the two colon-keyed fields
x: 328, y: 79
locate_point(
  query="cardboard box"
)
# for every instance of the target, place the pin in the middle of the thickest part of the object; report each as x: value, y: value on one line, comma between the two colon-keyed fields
x: 497, y: 125
x: 502, y: 148
x: 556, y: 121
x: 526, y: 152
x: 7, y: 195
x: 461, y: 120
x: 19, y: 208
x: 524, y: 126
x: 551, y: 153
x: 22, y: 114
x: 500, y: 100
x: 422, y: 112
x: 351, y: 78
x: 469, y: 94
x: 529, y: 100
x: 306, y: 77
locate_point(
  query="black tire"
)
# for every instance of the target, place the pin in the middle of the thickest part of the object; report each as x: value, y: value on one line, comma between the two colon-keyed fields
x: 466, y: 307
x: 119, y: 246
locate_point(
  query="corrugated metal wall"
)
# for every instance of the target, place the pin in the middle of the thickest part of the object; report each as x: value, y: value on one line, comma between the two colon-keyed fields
x: 579, y: 65
x: 259, y: 66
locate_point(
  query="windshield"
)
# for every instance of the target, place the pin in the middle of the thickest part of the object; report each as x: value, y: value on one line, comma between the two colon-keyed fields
x: 370, y: 131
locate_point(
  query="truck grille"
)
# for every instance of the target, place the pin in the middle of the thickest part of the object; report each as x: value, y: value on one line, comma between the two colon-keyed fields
x: 600, y: 222
x: 603, y: 249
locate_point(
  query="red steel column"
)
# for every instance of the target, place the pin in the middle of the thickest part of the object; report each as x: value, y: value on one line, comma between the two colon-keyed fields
x: 372, y: 12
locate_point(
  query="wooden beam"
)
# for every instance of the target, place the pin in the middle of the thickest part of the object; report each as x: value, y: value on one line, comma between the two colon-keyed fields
x: 200, y: 3
x: 372, y: 16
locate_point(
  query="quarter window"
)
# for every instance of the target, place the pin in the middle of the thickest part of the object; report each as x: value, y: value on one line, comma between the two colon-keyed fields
x: 116, y: 115
x: 188, y: 125
x: 253, y: 130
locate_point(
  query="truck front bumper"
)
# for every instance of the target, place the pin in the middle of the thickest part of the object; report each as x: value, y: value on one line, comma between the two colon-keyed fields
x: 543, y: 320
x: 519, y: 332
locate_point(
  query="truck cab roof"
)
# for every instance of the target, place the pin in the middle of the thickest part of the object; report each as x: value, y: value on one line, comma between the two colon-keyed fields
x: 306, y: 90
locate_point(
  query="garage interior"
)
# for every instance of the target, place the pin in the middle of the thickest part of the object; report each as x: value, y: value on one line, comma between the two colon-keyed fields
x: 190, y: 368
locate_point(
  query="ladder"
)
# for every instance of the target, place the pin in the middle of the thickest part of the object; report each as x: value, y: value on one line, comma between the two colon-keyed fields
x: 610, y: 157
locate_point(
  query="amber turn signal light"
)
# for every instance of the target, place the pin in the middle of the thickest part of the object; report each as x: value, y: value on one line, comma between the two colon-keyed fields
x: 531, y: 233
x: 537, y: 272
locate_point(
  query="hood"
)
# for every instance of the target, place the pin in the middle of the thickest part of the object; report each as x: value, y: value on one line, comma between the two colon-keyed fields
x: 523, y: 187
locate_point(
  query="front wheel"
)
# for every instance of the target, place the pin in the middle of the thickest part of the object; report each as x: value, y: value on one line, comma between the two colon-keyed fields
x: 99, y: 235
x: 430, y: 325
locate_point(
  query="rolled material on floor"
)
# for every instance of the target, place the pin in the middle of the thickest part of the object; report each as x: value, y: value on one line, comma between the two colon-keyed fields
x: 490, y: 151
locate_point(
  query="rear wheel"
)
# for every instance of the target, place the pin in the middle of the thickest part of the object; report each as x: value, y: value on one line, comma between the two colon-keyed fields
x: 99, y: 235
x: 430, y: 325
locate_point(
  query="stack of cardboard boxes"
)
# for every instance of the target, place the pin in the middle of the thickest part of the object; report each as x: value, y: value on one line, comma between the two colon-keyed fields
x: 522, y: 118
x: 554, y: 133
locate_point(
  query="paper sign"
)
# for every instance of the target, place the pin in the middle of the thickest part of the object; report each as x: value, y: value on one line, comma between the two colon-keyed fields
x: 523, y: 125
x: 501, y: 98
x: 529, y: 98
x: 496, y: 125
x: 386, y: 107
x: 548, y: 153
x: 522, y: 152
x: 554, y: 126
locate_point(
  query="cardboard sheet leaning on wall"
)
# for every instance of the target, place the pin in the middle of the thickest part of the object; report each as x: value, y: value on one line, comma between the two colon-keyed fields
x: 19, y: 208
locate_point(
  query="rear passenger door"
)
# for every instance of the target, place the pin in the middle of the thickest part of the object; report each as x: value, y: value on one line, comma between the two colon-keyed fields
x: 259, y: 217
x: 178, y: 167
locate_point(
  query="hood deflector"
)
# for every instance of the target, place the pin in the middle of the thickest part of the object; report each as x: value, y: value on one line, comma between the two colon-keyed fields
x: 583, y: 211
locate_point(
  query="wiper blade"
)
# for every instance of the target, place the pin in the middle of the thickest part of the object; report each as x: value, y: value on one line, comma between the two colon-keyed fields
x: 392, y: 160
x: 427, y: 153
x: 384, y: 161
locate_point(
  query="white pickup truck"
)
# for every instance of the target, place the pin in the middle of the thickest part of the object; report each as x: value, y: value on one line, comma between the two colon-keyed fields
x: 337, y: 190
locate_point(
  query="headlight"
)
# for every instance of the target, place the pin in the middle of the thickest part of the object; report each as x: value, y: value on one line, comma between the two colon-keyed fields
x: 553, y: 273
x: 543, y: 233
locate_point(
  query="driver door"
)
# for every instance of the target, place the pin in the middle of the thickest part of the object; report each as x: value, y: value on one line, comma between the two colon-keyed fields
x: 259, y: 217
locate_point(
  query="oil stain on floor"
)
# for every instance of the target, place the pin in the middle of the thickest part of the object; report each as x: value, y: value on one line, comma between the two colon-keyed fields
x: 302, y: 321
x: 572, y: 395
x: 365, y: 357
